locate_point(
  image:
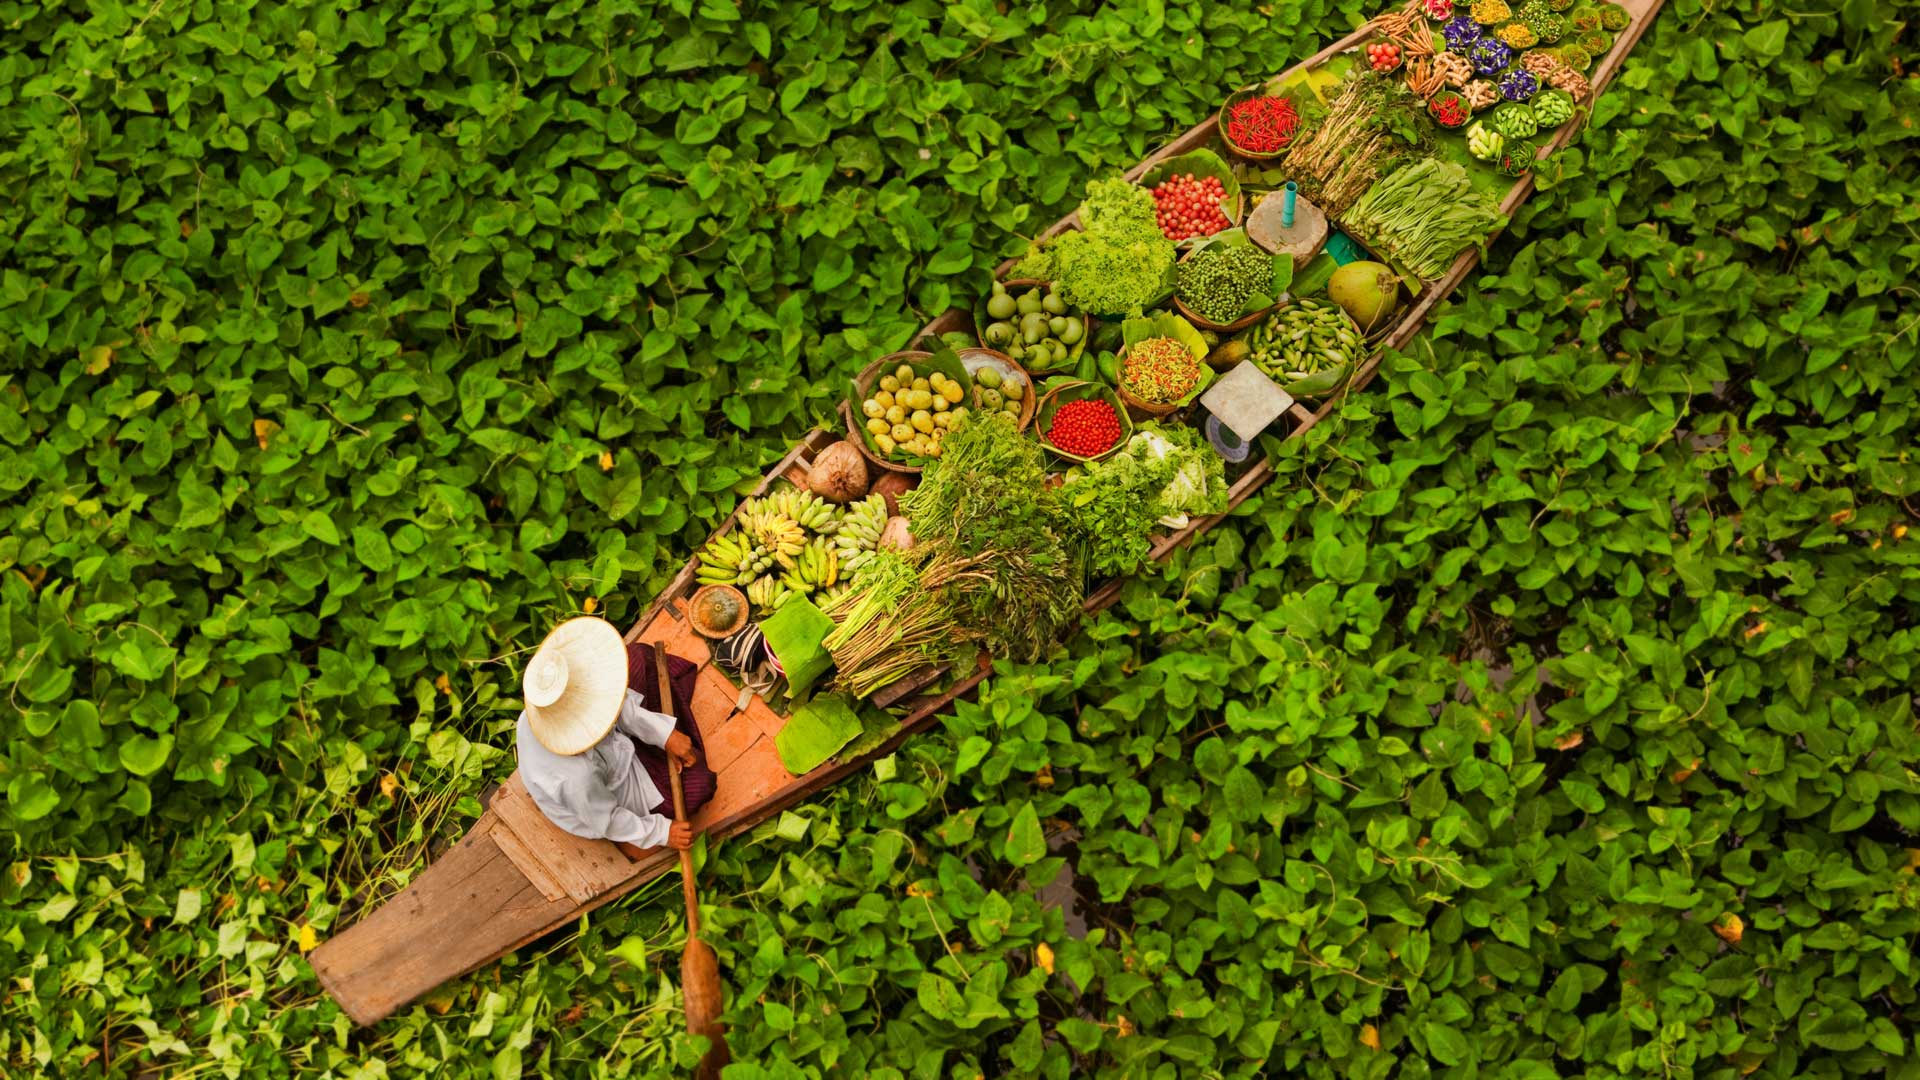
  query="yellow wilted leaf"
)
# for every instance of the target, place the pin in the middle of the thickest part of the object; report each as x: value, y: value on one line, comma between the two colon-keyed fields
x: 1913, y: 861
x: 389, y: 784
x: 1899, y: 532
x: 1043, y: 955
x: 590, y: 605
x: 1124, y: 1028
x: 1757, y: 628
x: 606, y: 460
x: 441, y: 684
x: 307, y: 938
x: 1568, y: 742
x: 440, y: 1003
x: 263, y: 432
x: 1730, y: 928
x: 1370, y: 1037
x: 98, y: 358
x: 1680, y: 775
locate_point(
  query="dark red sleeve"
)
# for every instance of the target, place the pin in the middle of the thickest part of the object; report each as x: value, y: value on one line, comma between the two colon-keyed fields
x: 682, y: 674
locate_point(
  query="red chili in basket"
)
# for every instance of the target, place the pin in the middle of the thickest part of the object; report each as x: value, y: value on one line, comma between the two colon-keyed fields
x: 1262, y: 125
x: 1085, y: 428
x: 1448, y: 112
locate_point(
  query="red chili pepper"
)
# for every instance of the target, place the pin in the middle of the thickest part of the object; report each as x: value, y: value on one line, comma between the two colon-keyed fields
x: 1262, y: 125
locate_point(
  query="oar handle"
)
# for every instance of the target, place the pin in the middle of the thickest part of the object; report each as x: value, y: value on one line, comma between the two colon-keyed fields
x: 679, y: 794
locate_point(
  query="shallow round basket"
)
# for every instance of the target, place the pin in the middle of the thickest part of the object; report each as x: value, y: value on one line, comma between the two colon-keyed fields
x: 716, y: 632
x: 978, y: 360
x: 1065, y: 392
x: 1220, y: 124
x: 1235, y: 208
x: 1203, y: 323
x: 863, y: 383
x: 1139, y: 410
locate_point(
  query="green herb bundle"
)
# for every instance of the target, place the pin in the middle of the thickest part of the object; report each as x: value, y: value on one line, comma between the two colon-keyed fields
x: 1371, y: 124
x: 985, y: 503
x: 1424, y: 215
x: 1162, y: 477
x: 1117, y: 262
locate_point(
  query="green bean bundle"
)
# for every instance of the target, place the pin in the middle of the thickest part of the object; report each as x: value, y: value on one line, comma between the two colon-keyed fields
x: 1424, y: 214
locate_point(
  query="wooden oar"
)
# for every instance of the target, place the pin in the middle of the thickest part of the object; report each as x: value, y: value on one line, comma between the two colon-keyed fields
x: 699, y: 967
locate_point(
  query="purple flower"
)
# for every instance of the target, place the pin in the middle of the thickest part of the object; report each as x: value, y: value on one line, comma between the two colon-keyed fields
x: 1461, y: 31
x: 1518, y: 84
x: 1490, y: 56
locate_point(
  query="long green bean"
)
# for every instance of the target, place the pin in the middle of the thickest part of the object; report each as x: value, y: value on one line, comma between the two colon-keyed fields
x: 1424, y: 214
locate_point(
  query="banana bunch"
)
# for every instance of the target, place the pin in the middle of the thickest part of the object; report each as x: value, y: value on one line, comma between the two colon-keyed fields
x: 733, y: 559
x: 818, y: 567
x: 768, y: 593
x: 860, y: 527
x: 810, y: 510
x: 778, y: 533
x: 833, y: 595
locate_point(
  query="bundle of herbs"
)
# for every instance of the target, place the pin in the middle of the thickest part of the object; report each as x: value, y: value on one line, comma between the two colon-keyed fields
x: 1162, y: 477
x: 985, y: 511
x: 1371, y: 125
x: 1424, y: 215
x: 1118, y: 261
x: 902, y: 618
x: 989, y: 566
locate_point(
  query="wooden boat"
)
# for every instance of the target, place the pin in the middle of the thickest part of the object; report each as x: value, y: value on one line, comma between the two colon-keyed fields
x: 515, y: 877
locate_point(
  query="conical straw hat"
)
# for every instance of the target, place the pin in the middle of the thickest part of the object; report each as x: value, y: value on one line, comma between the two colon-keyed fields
x: 574, y: 684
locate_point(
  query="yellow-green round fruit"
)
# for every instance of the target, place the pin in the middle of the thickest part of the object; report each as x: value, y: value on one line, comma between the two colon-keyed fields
x: 904, y: 373
x: 885, y: 398
x: 943, y: 420
x: 922, y: 421
x: 889, y: 383
x: 940, y: 403
x: 879, y: 426
x: 1369, y: 291
x: 896, y: 415
x: 885, y: 443
x: 902, y: 433
x: 871, y: 408
x: 921, y: 384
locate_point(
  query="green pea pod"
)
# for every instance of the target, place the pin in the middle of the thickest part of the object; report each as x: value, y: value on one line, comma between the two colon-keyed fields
x: 1320, y: 384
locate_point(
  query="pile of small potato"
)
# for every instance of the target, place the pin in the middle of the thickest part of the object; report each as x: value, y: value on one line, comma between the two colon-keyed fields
x: 908, y: 413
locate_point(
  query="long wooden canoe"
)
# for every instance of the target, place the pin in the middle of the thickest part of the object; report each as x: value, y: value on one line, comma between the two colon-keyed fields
x: 514, y: 877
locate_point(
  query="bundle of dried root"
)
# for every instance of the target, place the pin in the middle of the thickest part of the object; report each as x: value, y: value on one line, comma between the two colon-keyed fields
x: 1422, y: 78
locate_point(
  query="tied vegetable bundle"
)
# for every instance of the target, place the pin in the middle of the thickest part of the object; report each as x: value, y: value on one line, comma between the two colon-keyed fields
x: 1163, y: 476
x: 987, y: 569
x: 1370, y: 125
x: 1424, y: 215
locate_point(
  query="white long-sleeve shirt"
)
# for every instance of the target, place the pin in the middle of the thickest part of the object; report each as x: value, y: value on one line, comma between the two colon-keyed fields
x: 604, y: 792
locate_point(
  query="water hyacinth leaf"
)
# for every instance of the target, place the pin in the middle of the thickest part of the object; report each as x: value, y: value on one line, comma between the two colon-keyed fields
x: 1025, y: 843
x: 144, y: 755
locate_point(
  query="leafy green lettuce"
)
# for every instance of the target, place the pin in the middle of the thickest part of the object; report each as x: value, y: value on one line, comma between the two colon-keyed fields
x: 1163, y: 476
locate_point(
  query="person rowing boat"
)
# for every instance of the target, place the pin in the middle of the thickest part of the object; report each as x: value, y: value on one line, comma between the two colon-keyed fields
x: 594, y: 745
